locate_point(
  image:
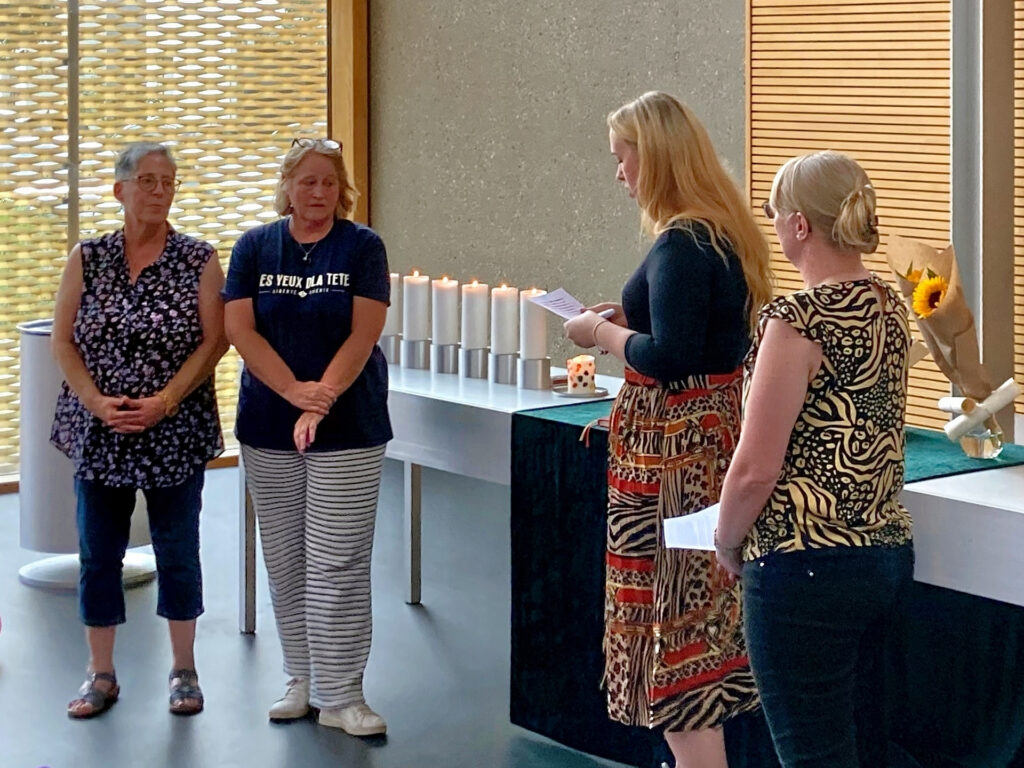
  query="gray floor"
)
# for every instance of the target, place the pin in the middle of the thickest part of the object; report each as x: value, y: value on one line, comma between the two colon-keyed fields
x: 438, y: 672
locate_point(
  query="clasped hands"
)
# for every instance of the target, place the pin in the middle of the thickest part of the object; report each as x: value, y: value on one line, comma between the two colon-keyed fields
x: 581, y: 329
x: 315, y: 399
x: 129, y: 415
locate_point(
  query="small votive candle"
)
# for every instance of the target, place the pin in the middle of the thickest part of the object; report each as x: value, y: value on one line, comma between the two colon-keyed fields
x: 580, y: 379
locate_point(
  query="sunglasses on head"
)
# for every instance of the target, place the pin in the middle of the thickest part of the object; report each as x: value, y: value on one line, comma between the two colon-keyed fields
x: 329, y: 144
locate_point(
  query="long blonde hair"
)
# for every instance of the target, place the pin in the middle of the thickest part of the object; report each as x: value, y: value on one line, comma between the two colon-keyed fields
x: 834, y: 193
x: 681, y: 180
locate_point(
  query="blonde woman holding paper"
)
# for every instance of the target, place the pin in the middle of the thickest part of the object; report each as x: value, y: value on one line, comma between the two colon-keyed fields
x: 810, y: 512
x: 675, y: 658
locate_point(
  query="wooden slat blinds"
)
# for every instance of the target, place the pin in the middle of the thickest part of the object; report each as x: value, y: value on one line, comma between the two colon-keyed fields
x: 870, y: 79
x: 228, y: 84
x: 1018, y: 198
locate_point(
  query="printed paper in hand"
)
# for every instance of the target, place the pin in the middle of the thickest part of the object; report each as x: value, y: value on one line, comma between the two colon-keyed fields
x: 694, y: 531
x: 560, y: 302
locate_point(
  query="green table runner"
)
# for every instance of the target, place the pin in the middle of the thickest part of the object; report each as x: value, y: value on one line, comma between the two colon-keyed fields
x: 930, y: 454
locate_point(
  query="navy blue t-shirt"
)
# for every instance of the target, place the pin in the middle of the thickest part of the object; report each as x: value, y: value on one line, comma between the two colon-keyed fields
x: 303, y: 308
x: 688, y: 306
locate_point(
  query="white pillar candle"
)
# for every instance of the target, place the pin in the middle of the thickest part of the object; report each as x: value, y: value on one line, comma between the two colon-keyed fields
x: 533, y: 328
x: 393, y: 321
x: 474, y: 315
x: 415, y: 307
x: 445, y: 306
x: 504, y: 320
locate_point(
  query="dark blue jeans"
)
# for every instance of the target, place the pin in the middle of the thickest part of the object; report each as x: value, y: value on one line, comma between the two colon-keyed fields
x: 817, y: 623
x: 104, y: 520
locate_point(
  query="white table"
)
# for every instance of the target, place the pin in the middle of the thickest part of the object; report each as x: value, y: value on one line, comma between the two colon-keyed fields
x: 969, y: 532
x: 441, y: 421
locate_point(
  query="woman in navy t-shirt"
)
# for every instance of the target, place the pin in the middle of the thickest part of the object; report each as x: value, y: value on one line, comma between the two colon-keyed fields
x: 306, y: 298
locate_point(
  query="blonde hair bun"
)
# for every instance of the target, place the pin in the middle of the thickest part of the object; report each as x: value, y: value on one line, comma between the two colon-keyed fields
x: 835, y: 194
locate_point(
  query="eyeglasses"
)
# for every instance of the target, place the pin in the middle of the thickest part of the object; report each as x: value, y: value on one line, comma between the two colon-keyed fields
x: 329, y: 144
x: 769, y: 212
x: 147, y: 183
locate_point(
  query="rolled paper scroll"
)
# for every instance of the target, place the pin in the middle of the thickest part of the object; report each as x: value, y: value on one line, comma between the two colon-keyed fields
x: 986, y: 409
x: 957, y: 405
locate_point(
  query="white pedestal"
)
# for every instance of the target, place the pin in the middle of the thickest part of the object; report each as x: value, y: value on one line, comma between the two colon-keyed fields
x: 60, y: 573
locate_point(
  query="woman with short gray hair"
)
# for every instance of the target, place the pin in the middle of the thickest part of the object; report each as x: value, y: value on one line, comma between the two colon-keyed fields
x: 137, y: 332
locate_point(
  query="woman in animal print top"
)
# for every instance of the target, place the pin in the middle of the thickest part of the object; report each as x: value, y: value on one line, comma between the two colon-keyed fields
x: 810, y: 511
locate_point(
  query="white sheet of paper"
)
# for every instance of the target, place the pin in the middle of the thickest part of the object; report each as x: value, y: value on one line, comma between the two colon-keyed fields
x: 693, y: 531
x: 561, y: 302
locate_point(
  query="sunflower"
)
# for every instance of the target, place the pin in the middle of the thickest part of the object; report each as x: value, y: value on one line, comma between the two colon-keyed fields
x: 913, y: 275
x: 928, y: 294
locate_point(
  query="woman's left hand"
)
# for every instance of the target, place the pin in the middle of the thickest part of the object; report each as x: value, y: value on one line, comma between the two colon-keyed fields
x: 580, y: 330
x: 141, y: 414
x: 305, y: 430
x: 730, y: 559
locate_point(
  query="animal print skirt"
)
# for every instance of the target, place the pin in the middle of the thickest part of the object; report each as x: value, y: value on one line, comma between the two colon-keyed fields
x: 674, y: 652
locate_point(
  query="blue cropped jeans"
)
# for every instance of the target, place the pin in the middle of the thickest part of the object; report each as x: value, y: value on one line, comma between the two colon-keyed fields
x: 104, y: 521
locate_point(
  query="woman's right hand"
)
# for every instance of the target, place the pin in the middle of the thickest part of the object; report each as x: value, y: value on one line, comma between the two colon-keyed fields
x: 111, y: 411
x: 618, y: 316
x: 310, y: 396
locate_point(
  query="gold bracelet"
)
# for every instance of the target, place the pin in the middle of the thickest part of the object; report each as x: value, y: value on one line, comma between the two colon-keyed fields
x: 596, y: 342
x: 170, y: 407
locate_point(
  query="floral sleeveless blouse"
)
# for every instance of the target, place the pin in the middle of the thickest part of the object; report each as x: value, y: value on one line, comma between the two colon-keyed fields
x: 843, y: 472
x: 134, y: 338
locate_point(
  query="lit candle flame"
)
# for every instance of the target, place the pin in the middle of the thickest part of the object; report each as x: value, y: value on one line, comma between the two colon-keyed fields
x: 475, y: 281
x: 415, y: 273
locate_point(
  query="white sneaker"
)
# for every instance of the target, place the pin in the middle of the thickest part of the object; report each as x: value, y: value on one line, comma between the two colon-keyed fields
x: 357, y: 720
x: 295, y: 702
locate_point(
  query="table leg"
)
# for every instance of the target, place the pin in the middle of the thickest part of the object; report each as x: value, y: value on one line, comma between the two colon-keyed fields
x: 411, y: 531
x: 246, y: 558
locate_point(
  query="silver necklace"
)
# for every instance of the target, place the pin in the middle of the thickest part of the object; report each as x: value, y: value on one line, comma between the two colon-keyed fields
x: 307, y: 252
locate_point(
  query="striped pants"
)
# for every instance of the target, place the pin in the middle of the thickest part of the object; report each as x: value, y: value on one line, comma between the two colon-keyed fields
x: 316, y: 515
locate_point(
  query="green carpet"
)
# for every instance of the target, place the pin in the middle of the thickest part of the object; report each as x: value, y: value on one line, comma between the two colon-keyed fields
x: 930, y: 454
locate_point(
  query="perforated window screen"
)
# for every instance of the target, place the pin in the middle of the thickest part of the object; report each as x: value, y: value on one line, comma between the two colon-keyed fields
x: 870, y: 79
x: 226, y: 84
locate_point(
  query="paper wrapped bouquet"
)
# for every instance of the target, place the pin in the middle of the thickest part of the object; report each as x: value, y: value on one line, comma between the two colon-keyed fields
x: 930, y: 282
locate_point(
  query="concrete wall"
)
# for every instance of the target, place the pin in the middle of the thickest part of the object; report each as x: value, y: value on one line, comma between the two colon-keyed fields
x: 489, y: 152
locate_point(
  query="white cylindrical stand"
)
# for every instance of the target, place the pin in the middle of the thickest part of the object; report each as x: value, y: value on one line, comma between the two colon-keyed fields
x: 416, y: 354
x: 503, y: 368
x: 391, y: 346
x: 473, y: 364
x: 444, y: 358
x: 535, y: 374
x: 47, y: 484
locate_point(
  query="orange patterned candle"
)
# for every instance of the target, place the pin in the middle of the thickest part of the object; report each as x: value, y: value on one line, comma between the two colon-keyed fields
x: 581, y: 373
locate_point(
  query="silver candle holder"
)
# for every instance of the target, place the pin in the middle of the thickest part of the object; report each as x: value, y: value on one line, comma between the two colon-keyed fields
x: 503, y: 368
x: 535, y: 373
x: 445, y: 358
x: 416, y: 354
x: 473, y: 363
x: 391, y: 346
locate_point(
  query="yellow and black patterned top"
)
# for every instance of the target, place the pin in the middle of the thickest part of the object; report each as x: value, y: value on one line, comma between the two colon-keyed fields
x: 843, y: 471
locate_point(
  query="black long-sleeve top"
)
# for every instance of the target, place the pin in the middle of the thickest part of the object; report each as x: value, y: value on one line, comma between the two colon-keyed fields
x: 688, y: 306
